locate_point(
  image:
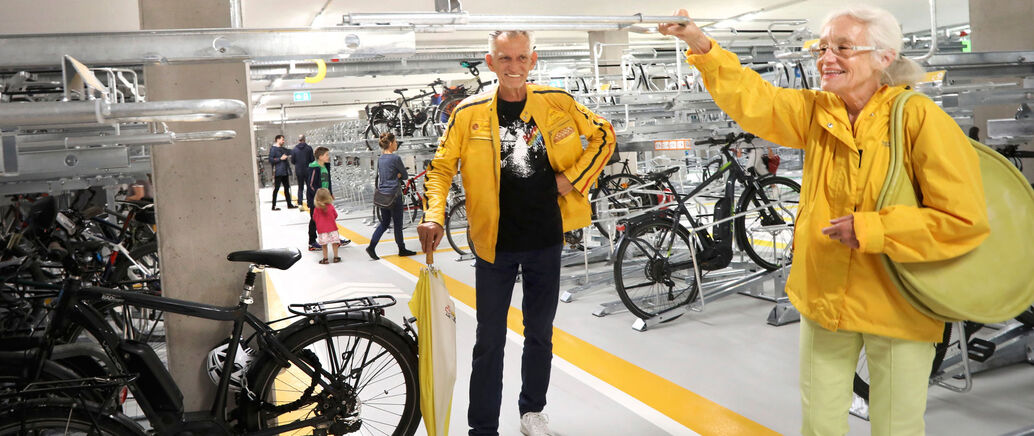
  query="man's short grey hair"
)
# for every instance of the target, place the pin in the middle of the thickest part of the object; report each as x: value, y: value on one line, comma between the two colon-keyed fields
x: 301, y: 138
x: 884, y: 32
x: 492, y: 37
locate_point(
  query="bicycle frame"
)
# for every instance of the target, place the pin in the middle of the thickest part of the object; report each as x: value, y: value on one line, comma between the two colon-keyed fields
x: 737, y: 175
x: 70, y: 307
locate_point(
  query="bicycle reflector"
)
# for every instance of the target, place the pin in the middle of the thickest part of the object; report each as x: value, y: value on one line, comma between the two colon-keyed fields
x: 123, y: 394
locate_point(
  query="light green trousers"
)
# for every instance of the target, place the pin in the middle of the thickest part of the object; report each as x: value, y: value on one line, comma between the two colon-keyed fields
x: 899, y: 372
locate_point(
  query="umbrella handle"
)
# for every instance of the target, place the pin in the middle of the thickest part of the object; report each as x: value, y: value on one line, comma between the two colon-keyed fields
x: 429, y: 258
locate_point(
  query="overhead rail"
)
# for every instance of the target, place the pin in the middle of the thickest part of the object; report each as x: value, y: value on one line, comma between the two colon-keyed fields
x: 21, y: 52
x: 447, y: 22
x: 101, y: 112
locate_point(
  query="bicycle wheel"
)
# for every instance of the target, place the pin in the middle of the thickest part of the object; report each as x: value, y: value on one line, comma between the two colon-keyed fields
x: 766, y: 234
x: 373, y: 363
x: 644, y: 273
x: 456, y: 228
x: 614, y: 187
x: 383, y: 118
x: 64, y: 418
x: 861, y: 376
x: 441, y: 114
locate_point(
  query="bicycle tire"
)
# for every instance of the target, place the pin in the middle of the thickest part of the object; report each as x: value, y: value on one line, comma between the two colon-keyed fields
x: 456, y: 221
x: 779, y: 227
x: 65, y: 418
x: 443, y: 113
x: 642, y: 261
x: 383, y: 118
x: 861, y: 376
x: 384, y: 341
x: 614, y: 184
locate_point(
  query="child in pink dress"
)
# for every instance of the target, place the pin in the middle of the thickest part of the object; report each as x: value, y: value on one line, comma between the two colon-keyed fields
x: 326, y: 224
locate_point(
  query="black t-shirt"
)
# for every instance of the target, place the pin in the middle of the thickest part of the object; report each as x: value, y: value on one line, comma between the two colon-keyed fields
x: 529, y: 216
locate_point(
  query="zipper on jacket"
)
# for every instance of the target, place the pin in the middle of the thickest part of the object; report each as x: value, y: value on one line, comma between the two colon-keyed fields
x: 860, y: 158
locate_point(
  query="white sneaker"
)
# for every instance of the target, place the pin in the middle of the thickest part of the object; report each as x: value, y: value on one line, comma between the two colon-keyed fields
x: 535, y: 424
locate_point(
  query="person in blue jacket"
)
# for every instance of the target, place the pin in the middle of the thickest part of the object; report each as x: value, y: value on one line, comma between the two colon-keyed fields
x: 278, y: 156
x: 301, y: 157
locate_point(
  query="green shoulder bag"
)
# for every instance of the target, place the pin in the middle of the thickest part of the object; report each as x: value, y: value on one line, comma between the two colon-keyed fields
x: 993, y: 282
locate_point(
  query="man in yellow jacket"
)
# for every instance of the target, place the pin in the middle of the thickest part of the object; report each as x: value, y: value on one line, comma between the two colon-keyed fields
x: 526, y: 174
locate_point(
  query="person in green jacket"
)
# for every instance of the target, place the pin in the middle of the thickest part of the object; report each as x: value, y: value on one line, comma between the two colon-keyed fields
x: 319, y: 177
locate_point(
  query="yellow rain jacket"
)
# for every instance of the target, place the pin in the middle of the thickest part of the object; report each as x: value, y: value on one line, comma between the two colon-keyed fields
x: 844, y: 169
x: 472, y: 140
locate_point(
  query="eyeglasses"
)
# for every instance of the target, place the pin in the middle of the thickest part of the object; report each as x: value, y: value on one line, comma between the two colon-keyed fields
x: 840, y: 51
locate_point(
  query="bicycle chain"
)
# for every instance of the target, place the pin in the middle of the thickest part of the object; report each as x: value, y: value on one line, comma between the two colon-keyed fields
x: 306, y: 397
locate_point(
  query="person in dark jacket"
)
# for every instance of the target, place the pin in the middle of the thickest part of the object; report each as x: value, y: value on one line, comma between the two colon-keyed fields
x: 319, y: 177
x: 301, y: 157
x: 278, y: 156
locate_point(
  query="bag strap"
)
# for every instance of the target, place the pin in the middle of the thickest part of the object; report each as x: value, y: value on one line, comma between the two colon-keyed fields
x: 897, y: 147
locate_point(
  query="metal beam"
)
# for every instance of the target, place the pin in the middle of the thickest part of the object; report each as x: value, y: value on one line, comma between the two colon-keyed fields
x: 18, y: 52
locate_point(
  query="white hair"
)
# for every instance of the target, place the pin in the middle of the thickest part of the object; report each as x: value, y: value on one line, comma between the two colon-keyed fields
x: 884, y: 32
x: 492, y: 37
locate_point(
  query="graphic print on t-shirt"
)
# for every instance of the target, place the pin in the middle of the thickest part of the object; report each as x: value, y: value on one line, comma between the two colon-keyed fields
x: 522, y: 149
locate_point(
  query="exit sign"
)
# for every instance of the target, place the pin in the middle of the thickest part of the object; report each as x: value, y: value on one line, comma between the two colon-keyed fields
x: 302, y: 96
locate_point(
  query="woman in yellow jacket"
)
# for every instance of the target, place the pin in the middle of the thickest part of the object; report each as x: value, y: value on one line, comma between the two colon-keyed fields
x: 837, y: 281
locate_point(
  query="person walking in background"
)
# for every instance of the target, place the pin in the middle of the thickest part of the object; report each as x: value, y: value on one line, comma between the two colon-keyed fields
x: 838, y: 283
x: 319, y: 177
x: 325, y: 217
x: 526, y: 175
x: 390, y: 170
x: 301, y: 157
x: 278, y: 156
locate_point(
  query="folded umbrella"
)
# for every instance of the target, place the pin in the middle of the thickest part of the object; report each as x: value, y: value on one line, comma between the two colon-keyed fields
x: 436, y: 341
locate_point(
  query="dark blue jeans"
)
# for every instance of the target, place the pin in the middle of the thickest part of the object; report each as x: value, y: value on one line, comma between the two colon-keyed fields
x: 393, y: 214
x: 494, y: 287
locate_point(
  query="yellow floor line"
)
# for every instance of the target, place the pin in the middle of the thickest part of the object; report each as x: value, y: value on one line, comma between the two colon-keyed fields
x: 689, y: 409
x: 360, y: 239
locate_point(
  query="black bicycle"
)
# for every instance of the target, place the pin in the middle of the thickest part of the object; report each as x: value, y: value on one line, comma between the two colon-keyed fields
x: 657, y: 258
x: 341, y: 367
x: 401, y: 117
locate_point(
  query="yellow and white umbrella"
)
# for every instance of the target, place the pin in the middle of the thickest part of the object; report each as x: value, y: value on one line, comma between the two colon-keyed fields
x: 436, y: 327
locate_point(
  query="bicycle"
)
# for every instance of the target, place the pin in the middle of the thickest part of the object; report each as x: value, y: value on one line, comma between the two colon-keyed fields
x: 657, y: 262
x: 452, y: 96
x: 400, y: 117
x: 619, y: 191
x: 340, y: 367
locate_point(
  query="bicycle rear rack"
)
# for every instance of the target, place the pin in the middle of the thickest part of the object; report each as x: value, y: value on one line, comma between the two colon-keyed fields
x: 376, y: 302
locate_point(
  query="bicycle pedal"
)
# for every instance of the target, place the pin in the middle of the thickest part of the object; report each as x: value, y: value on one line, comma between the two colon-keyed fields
x: 980, y: 350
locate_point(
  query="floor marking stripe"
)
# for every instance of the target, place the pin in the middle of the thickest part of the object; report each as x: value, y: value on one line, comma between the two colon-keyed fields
x: 685, y: 407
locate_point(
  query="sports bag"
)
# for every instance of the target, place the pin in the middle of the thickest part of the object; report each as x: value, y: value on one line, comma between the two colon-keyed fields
x: 993, y: 282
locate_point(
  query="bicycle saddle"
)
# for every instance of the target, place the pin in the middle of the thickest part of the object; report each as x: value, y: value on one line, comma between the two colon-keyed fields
x: 664, y: 174
x: 279, y: 258
x: 401, y: 90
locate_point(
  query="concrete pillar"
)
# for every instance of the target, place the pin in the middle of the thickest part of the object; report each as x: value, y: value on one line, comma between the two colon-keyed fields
x: 1001, y: 25
x: 206, y: 196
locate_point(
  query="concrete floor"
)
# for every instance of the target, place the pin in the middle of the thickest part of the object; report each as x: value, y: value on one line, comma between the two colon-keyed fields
x: 719, y: 371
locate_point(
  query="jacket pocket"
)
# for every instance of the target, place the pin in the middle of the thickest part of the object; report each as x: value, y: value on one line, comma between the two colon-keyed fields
x: 566, y: 144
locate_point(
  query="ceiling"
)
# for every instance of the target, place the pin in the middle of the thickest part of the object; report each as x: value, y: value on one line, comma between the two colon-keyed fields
x: 60, y: 16
x: 66, y: 16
